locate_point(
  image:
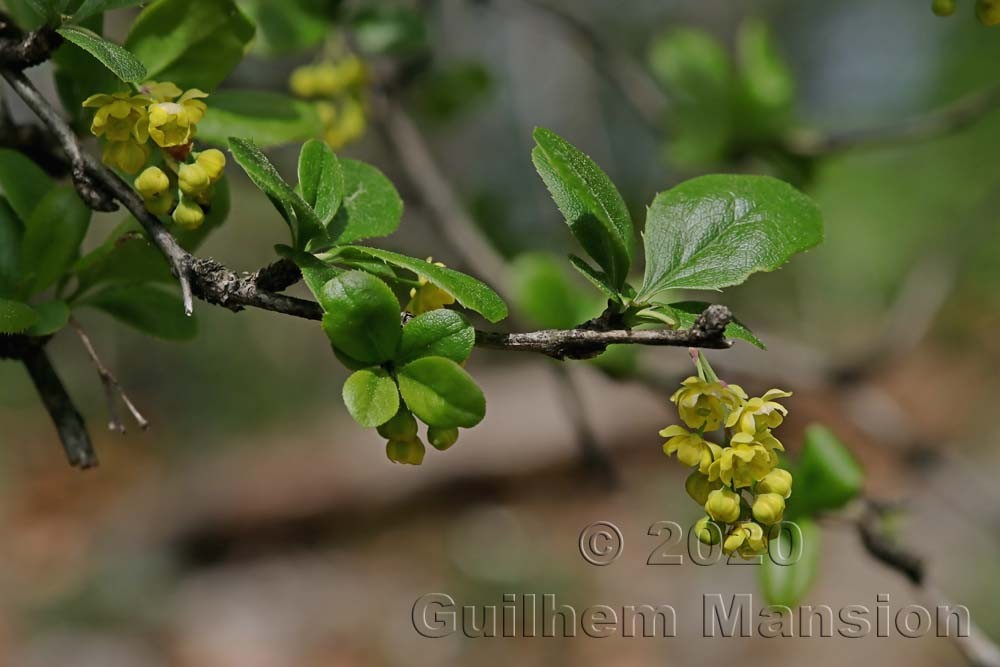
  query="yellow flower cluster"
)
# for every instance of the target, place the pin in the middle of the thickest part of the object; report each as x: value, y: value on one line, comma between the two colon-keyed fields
x: 191, y: 181
x: 427, y: 296
x: 738, y: 484
x: 338, y: 88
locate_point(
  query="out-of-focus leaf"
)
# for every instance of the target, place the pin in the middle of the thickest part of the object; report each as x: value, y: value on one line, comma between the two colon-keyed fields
x: 125, y: 257
x: 385, y: 29
x: 767, y: 88
x: 15, y: 316
x: 790, y: 567
x: 92, y: 7
x: 24, y: 184
x: 446, y: 93
x: 827, y: 475
x: 285, y: 27
x: 545, y: 295
x: 149, y: 309
x: 269, y: 118
x: 52, y: 316
x: 11, y: 230
x: 52, y: 237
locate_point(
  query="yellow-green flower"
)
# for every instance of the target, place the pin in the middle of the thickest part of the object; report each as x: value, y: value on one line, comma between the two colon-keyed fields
x: 161, y: 92
x: 768, y: 508
x: 777, y: 481
x: 154, y: 186
x: 698, y: 486
x: 174, y: 123
x: 213, y: 161
x: 405, y: 451
x: 120, y: 116
x: 192, y: 179
x: 427, y: 296
x: 128, y: 155
x: 988, y: 12
x: 692, y: 449
x: 748, y: 538
x: 705, y: 405
x: 188, y: 214
x: 723, y: 505
x: 742, y: 463
x: 343, y: 125
x: 759, y: 413
x: 707, y: 531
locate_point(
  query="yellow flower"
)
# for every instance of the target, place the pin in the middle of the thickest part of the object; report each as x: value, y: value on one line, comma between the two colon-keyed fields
x: 707, y: 531
x: 303, y: 81
x: 748, y: 538
x: 405, y: 451
x: 129, y: 155
x: 743, y: 462
x: 698, y: 487
x: 768, y: 508
x: 161, y: 204
x: 152, y: 182
x: 345, y: 125
x: 692, y: 449
x: 988, y: 12
x: 192, y: 179
x: 427, y: 296
x: 760, y: 413
x: 161, y: 92
x: 174, y: 123
x: 705, y: 405
x: 120, y: 116
x: 777, y: 481
x: 213, y: 161
x: 188, y: 214
x: 723, y: 505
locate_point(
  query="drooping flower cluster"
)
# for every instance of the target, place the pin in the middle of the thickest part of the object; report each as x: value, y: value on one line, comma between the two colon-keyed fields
x: 338, y: 87
x: 169, y: 117
x: 738, y: 483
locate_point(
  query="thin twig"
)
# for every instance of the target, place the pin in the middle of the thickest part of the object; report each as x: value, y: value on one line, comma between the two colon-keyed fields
x: 112, y: 388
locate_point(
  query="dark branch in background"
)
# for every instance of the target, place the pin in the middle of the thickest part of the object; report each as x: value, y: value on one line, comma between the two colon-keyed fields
x: 112, y: 388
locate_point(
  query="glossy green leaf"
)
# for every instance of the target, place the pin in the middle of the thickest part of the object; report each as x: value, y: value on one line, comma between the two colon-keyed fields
x: 321, y: 179
x: 544, y: 293
x: 92, y: 7
x: 791, y: 564
x: 714, y: 231
x: 52, y: 316
x: 300, y: 217
x: 269, y: 118
x: 23, y: 182
x: 118, y: 60
x: 468, y: 291
x: 592, y: 205
x: 315, y: 272
x: 15, y: 316
x: 371, y: 206
x: 52, y: 238
x: 767, y: 88
x: 362, y: 316
x: 441, y: 393
x: 827, y: 476
x: 371, y: 397
x: 194, y: 43
x: 149, y: 309
x: 437, y: 333
x: 11, y: 231
x: 685, y: 313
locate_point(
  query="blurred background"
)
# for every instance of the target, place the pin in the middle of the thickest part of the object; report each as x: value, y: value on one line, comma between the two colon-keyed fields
x: 255, y: 524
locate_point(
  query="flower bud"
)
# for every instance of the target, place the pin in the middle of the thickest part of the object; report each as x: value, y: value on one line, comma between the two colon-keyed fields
x: 161, y: 203
x: 192, y: 179
x: 988, y: 12
x: 698, y: 487
x: 188, y: 215
x: 151, y: 182
x: 768, y: 508
x: 401, y: 427
x: 405, y: 451
x: 303, y: 81
x: 723, y: 505
x: 734, y: 540
x: 777, y: 481
x: 943, y: 7
x: 442, y: 438
x: 213, y: 161
x: 707, y: 531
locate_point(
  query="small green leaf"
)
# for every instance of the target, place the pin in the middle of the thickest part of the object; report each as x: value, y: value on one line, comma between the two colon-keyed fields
x: 685, y: 313
x: 270, y: 118
x: 16, y: 317
x: 118, y: 60
x: 11, y: 231
x: 370, y: 207
x: 321, y: 179
x: 52, y: 316
x: 714, y: 231
x: 297, y: 213
x: 468, y: 291
x: 791, y: 564
x: 287, y: 27
x: 441, y: 393
x: 371, y: 397
x: 52, y: 238
x: 437, y: 333
x: 827, y: 476
x: 315, y: 272
x: 23, y: 182
x: 149, y: 309
x: 595, y: 278
x: 92, y: 7
x: 592, y: 205
x: 78, y: 75
x: 362, y: 316
x: 767, y: 87
x: 545, y: 294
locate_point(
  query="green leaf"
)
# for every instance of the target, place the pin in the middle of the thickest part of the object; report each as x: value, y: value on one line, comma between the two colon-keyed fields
x: 714, y: 231
x: 695, y: 70
x: 446, y: 93
x: 543, y: 293
x: 93, y: 7
x: 52, y: 316
x: 23, y: 182
x: 285, y: 27
x: 11, y: 231
x: 297, y: 213
x: 194, y: 43
x: 684, y: 313
x: 321, y: 179
x: 592, y: 205
x: 468, y: 291
x: 362, y: 316
x: 78, y: 75
x: 370, y: 206
x: 125, y: 257
x: 441, y: 393
x: 595, y: 278
x: 118, y: 60
x: 31, y: 14
x: 371, y: 397
x: 437, y: 333
x: 767, y: 87
x: 315, y: 272
x: 389, y: 30
x: 790, y: 567
x: 15, y: 316
x: 827, y: 476
x: 52, y: 238
x: 149, y: 309
x: 270, y: 118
